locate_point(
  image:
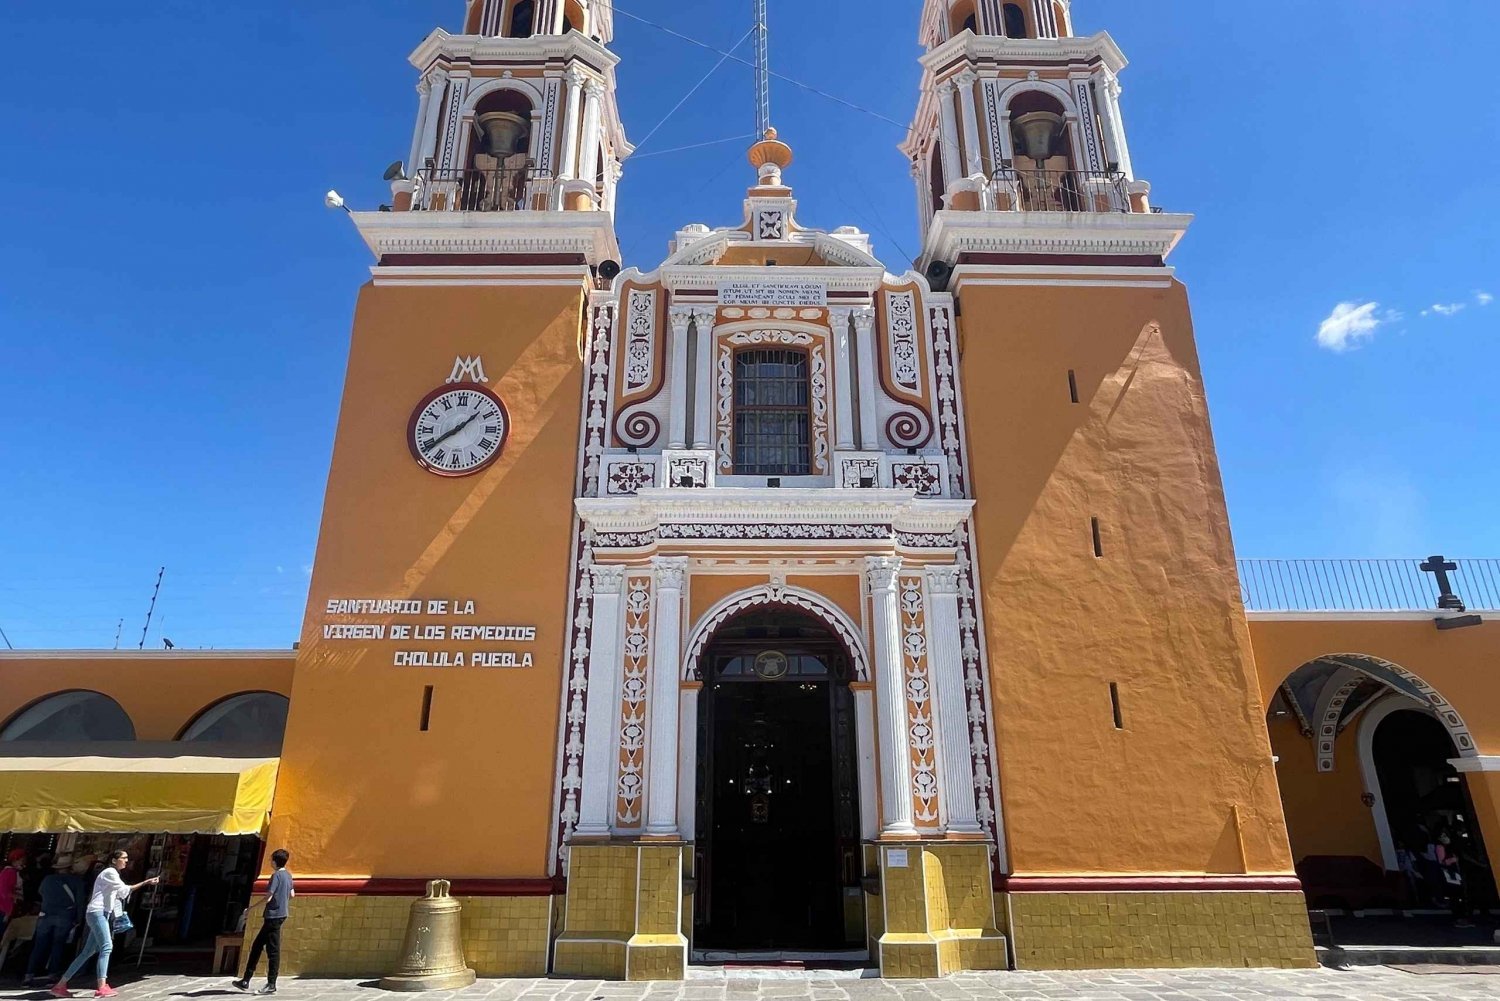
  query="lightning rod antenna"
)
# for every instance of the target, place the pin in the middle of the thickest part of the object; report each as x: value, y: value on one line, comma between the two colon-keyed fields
x: 160, y: 574
x: 118, y: 627
x: 762, y: 71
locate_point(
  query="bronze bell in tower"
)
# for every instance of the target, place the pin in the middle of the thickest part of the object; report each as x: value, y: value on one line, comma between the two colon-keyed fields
x: 433, y: 957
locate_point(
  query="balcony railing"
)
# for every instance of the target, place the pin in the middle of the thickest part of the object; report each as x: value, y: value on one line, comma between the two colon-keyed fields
x: 1063, y: 190
x: 474, y: 190
x: 1363, y: 585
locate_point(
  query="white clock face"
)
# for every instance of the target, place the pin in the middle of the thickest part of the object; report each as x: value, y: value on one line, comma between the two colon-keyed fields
x: 458, y: 430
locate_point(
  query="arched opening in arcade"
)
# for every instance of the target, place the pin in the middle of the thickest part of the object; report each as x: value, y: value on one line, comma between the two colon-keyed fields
x: 1378, y: 805
x: 777, y: 798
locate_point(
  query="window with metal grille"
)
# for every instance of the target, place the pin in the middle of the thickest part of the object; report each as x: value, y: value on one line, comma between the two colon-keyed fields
x: 772, y: 420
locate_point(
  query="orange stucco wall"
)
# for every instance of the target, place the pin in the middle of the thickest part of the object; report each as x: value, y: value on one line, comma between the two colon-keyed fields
x: 363, y: 790
x: 1188, y: 785
x: 161, y: 692
x: 1459, y: 663
x: 1324, y: 811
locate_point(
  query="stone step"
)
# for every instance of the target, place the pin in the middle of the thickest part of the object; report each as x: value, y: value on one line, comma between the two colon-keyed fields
x: 1397, y: 955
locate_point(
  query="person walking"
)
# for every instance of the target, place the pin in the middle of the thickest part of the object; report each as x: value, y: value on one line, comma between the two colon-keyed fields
x: 64, y: 896
x: 10, y: 885
x: 278, y: 905
x: 106, y: 906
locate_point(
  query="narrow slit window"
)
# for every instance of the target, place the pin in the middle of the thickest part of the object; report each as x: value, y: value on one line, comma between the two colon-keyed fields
x: 1098, y: 540
x: 1114, y: 704
x: 426, y: 708
x: 1072, y: 385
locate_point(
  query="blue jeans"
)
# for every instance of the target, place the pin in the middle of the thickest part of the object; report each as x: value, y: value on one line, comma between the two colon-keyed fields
x: 101, y: 940
x: 48, y: 943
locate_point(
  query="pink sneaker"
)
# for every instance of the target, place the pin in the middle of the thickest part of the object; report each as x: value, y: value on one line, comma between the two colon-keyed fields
x: 60, y: 990
x: 105, y: 992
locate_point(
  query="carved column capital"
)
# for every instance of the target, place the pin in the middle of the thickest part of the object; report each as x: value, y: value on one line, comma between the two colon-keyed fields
x: 943, y: 580
x: 607, y: 578
x: 946, y: 88
x: 681, y: 317
x: 864, y: 319
x: 669, y: 571
x: 966, y: 78
x: 575, y: 77
x: 882, y: 572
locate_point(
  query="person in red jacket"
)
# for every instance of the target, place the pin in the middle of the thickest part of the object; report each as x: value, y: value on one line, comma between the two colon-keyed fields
x: 10, y: 885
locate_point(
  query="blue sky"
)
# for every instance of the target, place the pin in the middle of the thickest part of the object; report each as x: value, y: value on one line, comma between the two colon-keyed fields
x: 175, y: 307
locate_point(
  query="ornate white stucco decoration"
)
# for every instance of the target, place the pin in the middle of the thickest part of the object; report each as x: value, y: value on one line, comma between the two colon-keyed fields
x: 776, y: 594
x: 817, y: 360
x: 640, y: 341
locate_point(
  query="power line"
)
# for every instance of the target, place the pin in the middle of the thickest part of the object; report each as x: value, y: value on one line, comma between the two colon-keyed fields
x: 722, y: 59
x: 905, y: 127
x: 6, y: 639
x: 681, y: 149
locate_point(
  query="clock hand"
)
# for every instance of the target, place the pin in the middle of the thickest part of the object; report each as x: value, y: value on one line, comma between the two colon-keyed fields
x: 442, y: 438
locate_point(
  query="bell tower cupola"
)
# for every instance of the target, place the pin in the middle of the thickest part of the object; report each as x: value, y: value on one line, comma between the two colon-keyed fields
x: 517, y: 146
x: 1019, y: 146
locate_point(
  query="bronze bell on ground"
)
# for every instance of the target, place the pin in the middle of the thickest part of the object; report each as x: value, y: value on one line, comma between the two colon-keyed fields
x: 433, y: 957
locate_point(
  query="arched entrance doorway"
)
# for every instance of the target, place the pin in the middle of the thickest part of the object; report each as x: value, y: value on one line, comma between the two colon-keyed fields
x: 778, y: 833
x: 1425, y: 800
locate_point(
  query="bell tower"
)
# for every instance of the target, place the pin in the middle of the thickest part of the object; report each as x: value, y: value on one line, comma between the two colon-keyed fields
x: 516, y: 116
x: 1111, y: 608
x: 438, y: 620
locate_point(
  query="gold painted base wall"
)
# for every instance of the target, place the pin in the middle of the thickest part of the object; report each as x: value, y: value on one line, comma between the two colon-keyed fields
x: 622, y: 917
x: 362, y: 936
x: 937, y: 911
x: 1090, y: 931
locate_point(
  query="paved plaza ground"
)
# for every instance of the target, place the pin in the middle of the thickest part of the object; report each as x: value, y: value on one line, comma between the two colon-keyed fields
x: 1368, y: 984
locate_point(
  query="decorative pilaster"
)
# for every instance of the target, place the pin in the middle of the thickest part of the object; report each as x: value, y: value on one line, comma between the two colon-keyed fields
x: 921, y: 728
x: 601, y: 753
x: 419, y: 135
x: 567, y: 169
x: 843, y: 376
x: 973, y: 163
x: 635, y: 706
x: 1107, y: 87
x: 702, y: 393
x: 864, y: 344
x: 952, y: 170
x: 884, y: 573
x: 946, y: 671
x: 681, y: 318
x: 661, y: 785
x: 589, y: 163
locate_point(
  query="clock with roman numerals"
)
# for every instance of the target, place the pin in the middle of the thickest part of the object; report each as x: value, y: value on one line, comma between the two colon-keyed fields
x: 458, y: 430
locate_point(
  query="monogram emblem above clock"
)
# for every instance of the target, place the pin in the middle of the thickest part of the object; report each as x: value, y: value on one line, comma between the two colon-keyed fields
x: 458, y: 429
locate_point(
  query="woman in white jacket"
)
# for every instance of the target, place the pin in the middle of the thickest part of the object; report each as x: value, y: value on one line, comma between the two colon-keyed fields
x: 106, y: 904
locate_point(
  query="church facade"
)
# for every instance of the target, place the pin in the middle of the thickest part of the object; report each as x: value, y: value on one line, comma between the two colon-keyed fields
x: 769, y: 600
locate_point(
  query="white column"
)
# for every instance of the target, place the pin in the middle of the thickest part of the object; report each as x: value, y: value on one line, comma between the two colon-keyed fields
x: 666, y: 670
x: 424, y: 103
x: 677, y: 374
x: 703, y: 378
x: 601, y: 731
x: 973, y: 163
x: 1114, y: 123
x: 890, y: 697
x: 687, y: 762
x: 426, y: 146
x: 864, y: 343
x: 864, y: 721
x: 952, y: 169
x: 843, y: 379
x: 588, y: 167
x: 945, y: 665
x: 569, y: 162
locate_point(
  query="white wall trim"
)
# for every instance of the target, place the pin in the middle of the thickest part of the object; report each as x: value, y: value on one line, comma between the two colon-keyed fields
x: 1478, y: 763
x: 1338, y: 616
x: 1365, y: 737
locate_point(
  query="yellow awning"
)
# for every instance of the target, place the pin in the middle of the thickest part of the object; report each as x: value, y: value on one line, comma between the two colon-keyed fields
x: 182, y: 795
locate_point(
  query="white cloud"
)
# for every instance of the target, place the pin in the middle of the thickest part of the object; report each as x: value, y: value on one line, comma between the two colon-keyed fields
x: 1350, y: 323
x: 1444, y: 308
x: 1483, y: 298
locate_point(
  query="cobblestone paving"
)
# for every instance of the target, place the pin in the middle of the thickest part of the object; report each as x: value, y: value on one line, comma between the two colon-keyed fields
x: 1368, y: 984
